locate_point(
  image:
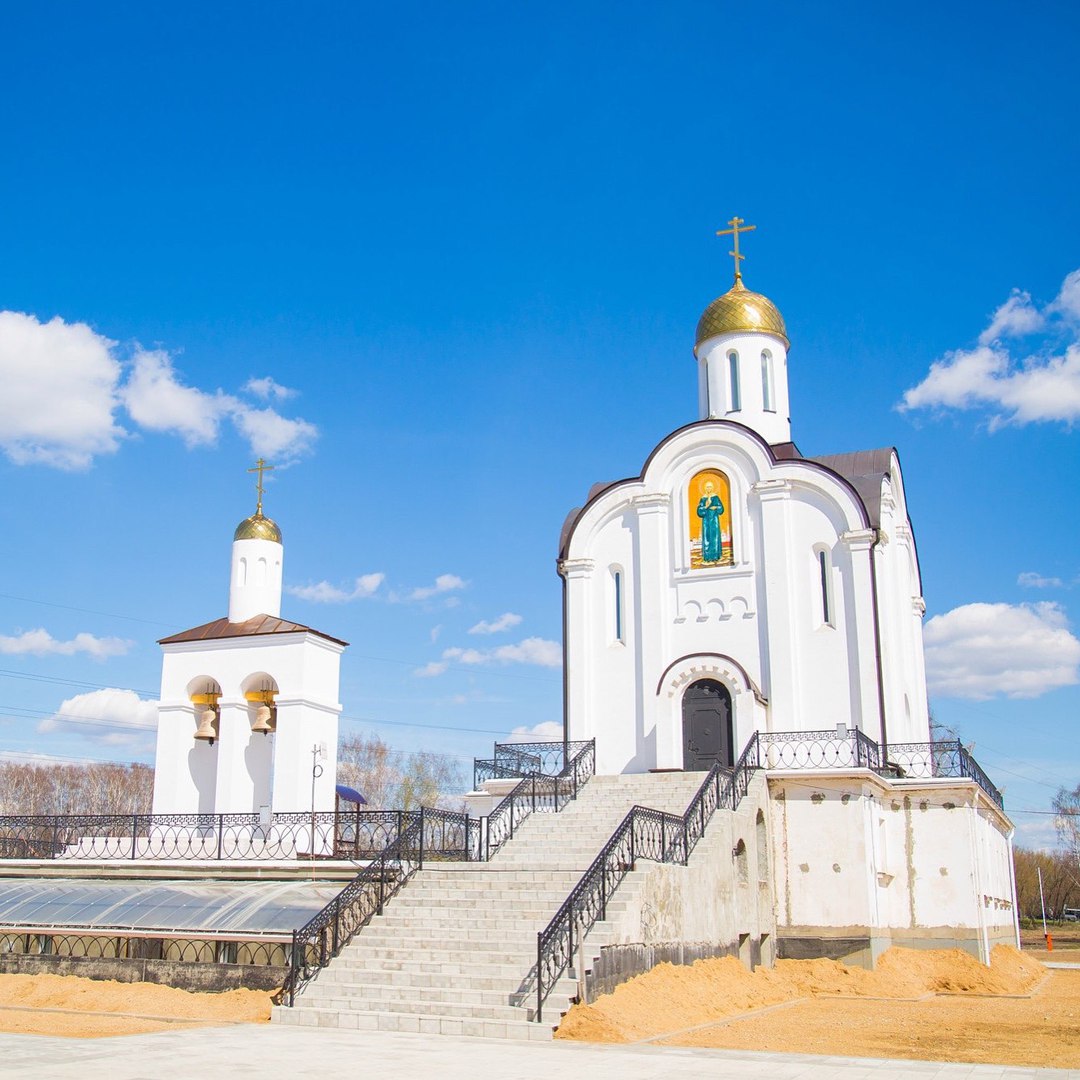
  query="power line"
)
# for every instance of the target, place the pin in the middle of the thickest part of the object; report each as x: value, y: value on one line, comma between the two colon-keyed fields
x: 82, y: 611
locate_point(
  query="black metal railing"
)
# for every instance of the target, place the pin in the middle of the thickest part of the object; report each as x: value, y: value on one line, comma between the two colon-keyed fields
x: 537, y: 792
x: 644, y: 833
x: 945, y: 758
x: 359, y: 834
x: 425, y: 835
x: 528, y: 759
x: 851, y: 749
x: 837, y: 749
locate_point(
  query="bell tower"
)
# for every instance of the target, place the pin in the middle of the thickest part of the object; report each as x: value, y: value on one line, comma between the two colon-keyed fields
x: 246, y: 698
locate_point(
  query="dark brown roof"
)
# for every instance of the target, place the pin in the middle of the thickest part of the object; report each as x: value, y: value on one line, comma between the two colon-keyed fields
x: 863, y: 470
x: 254, y: 627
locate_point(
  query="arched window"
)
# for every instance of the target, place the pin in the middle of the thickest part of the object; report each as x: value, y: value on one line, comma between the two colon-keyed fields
x: 241, y: 574
x: 618, y: 617
x: 767, y: 382
x: 260, y: 572
x: 825, y: 595
x: 733, y: 375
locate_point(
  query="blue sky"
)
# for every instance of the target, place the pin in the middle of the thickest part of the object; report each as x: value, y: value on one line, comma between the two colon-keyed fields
x: 446, y: 263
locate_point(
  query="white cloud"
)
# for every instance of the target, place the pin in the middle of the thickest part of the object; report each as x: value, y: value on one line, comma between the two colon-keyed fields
x: 267, y: 389
x: 324, y: 593
x: 1068, y: 300
x: 64, y: 384
x: 537, y: 651
x: 1037, y: 387
x: 1031, y: 580
x: 271, y: 435
x: 534, y: 650
x: 507, y: 621
x: 435, y: 632
x: 59, y: 392
x: 431, y: 669
x: 1015, y: 318
x: 110, y: 716
x: 444, y: 583
x: 41, y: 643
x: 158, y: 401
x: 1019, y: 650
x: 545, y: 731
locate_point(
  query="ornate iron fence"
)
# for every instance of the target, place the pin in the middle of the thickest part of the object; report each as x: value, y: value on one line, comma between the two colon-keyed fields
x: 529, y: 759
x: 946, y: 758
x: 360, y: 834
x: 837, y: 749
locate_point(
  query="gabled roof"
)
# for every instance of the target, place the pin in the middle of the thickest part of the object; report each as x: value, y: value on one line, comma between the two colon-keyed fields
x: 863, y: 470
x: 257, y: 626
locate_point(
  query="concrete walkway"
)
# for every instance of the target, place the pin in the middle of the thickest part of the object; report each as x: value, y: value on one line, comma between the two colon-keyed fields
x: 266, y: 1051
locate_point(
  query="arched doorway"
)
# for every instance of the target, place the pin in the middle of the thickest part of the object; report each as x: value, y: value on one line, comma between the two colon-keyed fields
x: 707, y: 728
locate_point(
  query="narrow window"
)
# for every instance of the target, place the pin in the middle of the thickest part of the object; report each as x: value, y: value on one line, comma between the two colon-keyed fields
x: 823, y: 565
x: 242, y: 572
x: 617, y: 579
x: 766, y: 381
x: 733, y: 373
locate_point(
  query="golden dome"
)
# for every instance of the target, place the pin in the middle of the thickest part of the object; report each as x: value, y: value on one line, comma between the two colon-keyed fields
x: 740, y: 310
x: 258, y: 527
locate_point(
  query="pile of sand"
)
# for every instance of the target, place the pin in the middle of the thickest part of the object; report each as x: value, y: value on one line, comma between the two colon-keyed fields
x: 74, y: 1006
x: 671, y: 998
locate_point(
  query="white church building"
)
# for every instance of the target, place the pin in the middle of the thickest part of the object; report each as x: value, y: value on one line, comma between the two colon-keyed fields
x: 736, y: 590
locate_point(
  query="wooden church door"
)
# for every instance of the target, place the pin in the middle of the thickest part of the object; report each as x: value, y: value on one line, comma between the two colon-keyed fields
x: 707, y: 728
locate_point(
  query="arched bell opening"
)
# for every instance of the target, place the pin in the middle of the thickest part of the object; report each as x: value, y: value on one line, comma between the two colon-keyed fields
x: 204, y: 694
x: 708, y: 736
x: 260, y: 692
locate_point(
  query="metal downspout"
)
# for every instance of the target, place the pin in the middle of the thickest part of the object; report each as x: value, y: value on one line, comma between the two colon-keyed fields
x: 877, y: 646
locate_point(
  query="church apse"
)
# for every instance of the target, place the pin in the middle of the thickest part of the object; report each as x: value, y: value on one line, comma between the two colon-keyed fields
x: 709, y: 505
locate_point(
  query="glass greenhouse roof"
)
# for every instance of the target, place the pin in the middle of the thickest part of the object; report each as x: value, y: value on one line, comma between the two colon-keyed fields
x: 202, y: 907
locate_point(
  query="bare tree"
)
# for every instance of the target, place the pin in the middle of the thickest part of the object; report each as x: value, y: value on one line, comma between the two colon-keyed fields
x: 1060, y: 888
x: 390, y: 779
x: 1067, y: 820
x: 90, y: 788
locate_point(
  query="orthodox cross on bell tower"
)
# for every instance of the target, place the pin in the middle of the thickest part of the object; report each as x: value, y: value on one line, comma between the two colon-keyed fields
x: 737, y: 227
x: 261, y: 467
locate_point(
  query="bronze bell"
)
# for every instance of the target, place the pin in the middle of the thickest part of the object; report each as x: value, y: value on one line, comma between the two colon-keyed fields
x: 206, y: 732
x: 264, y: 719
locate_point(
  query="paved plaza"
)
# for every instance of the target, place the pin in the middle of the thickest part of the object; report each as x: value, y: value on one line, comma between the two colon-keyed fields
x: 273, y: 1051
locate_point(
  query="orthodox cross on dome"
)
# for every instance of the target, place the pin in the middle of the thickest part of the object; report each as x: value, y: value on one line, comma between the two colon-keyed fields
x: 737, y: 227
x: 260, y: 467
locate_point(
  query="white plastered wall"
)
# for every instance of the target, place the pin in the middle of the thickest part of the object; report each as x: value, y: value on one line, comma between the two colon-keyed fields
x: 921, y: 864
x: 244, y: 771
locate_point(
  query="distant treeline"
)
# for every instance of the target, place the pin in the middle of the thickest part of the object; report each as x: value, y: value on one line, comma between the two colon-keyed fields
x: 1060, y: 881
x: 90, y: 788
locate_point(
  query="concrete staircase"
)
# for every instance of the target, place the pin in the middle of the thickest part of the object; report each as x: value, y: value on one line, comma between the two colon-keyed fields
x: 455, y: 951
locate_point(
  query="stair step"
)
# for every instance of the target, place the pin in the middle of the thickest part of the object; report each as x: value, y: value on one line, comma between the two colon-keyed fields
x: 519, y: 1029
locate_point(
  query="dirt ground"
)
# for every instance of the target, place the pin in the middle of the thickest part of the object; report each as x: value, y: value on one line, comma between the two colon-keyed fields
x: 74, y: 1007
x: 941, y: 1005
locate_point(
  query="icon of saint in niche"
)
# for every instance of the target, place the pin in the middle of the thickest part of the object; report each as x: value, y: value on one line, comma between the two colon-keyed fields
x: 710, y: 509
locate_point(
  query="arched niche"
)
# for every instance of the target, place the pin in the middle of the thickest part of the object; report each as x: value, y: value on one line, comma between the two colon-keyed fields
x: 709, y: 517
